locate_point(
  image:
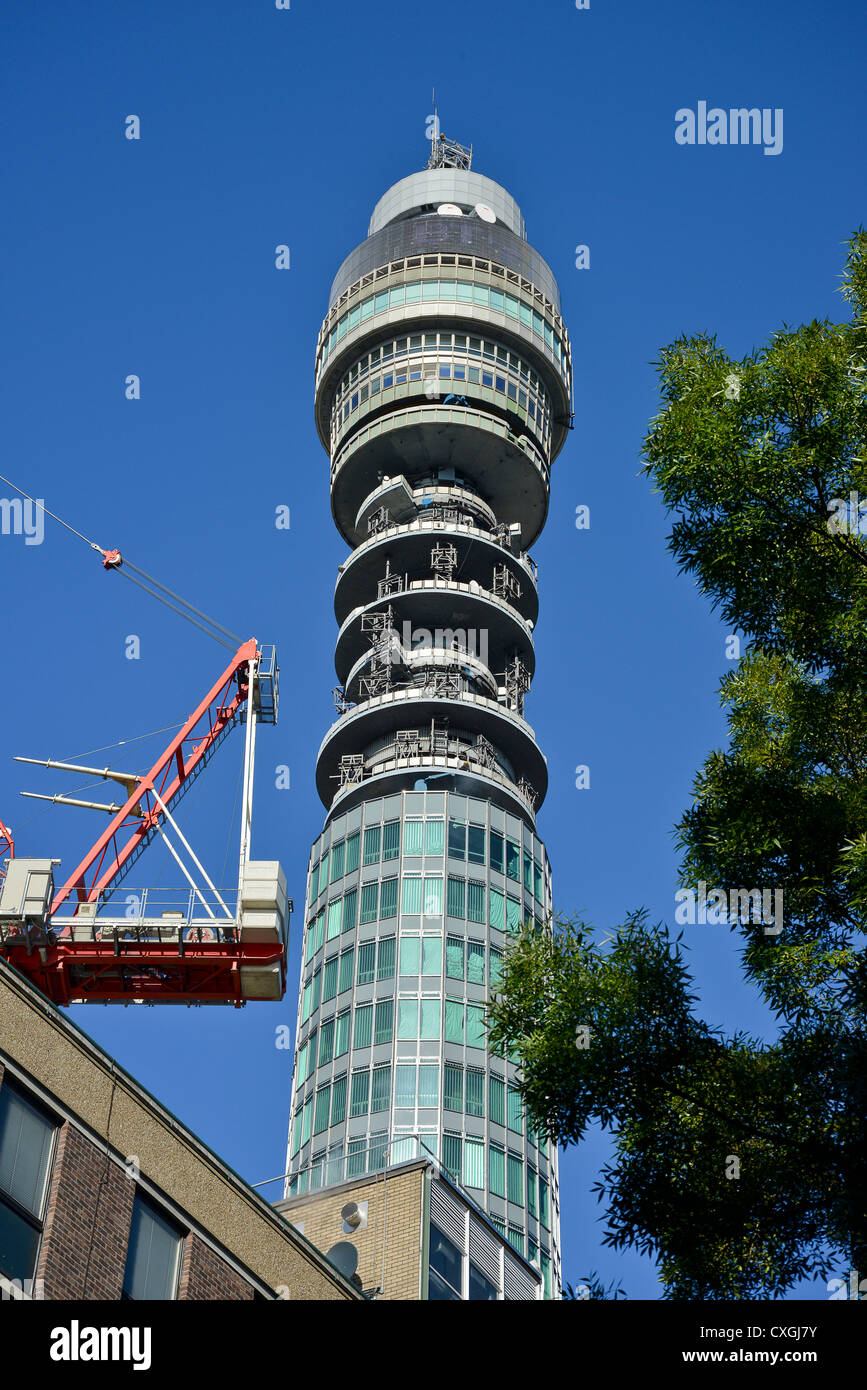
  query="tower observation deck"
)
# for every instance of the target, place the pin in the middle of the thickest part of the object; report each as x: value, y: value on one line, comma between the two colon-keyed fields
x: 443, y: 396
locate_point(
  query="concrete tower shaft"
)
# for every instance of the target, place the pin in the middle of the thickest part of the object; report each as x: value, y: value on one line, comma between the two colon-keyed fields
x: 443, y: 396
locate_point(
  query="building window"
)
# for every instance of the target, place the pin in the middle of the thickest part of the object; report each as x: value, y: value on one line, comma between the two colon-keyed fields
x: 430, y: 1018
x: 513, y: 861
x: 516, y: 1238
x: 391, y: 840
x: 384, y: 1025
x: 366, y: 963
x: 429, y: 1084
x: 498, y: 1101
x: 497, y: 1171
x: 345, y: 974
x: 341, y: 1036
x: 475, y: 1085
x: 26, y: 1146
x: 380, y: 1091
x: 407, y: 1018
x: 404, y: 1087
x: 452, y: 1155
x: 413, y: 836
x: 476, y: 962
x: 338, y: 1101
x: 516, y: 1179
x: 515, y: 1111
x: 323, y: 873
x: 326, y: 1042
x: 385, y: 959
x: 446, y: 1261
x: 377, y: 1151
x: 457, y: 839
x: 153, y: 1254
x: 433, y: 897
x: 352, y: 853
x: 329, y: 980
x: 474, y: 1163
x: 475, y: 1025
x: 496, y: 966
x: 475, y: 901
x: 431, y: 955
x: 476, y: 844
x: 454, y: 1021
x: 456, y: 900
x: 434, y: 836
x: 453, y: 1088
x: 454, y: 956
x: 480, y: 1288
x: 355, y: 1157
x: 322, y: 1109
x: 349, y: 906
x: 372, y: 837
x: 363, y: 1032
x: 496, y: 909
x: 388, y: 898
x: 338, y: 855
x: 412, y: 891
x: 360, y: 1096
x: 409, y: 955
x: 369, y: 901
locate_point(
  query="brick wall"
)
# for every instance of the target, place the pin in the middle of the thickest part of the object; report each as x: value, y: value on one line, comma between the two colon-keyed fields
x: 204, y: 1275
x: 394, y: 1211
x: 90, y: 1201
x: 87, y: 1222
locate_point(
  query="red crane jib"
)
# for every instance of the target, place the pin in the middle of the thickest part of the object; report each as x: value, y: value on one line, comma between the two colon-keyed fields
x: 118, y: 969
x: 141, y: 812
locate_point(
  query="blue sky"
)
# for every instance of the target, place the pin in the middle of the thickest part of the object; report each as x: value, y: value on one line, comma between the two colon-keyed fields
x: 156, y: 257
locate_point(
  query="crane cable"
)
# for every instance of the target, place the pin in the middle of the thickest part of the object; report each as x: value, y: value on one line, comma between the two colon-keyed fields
x: 113, y: 560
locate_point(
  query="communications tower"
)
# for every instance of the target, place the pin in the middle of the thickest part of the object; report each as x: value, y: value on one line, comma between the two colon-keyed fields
x: 443, y: 395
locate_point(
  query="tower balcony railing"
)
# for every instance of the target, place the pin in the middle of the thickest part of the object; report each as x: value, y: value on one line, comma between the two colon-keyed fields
x: 412, y: 750
x: 427, y: 388
x: 424, y: 496
x: 433, y: 414
x: 426, y: 522
x: 421, y: 668
x: 440, y: 584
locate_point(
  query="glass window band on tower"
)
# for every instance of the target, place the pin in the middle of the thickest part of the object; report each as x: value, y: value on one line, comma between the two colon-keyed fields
x: 443, y: 394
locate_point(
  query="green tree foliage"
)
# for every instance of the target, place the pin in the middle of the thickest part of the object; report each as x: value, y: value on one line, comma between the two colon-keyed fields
x: 742, y: 1166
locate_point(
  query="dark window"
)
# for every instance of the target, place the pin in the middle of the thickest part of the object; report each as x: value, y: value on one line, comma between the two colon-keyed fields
x: 445, y: 1262
x: 457, y: 839
x: 26, y: 1145
x: 476, y: 844
x: 481, y: 1288
x: 153, y: 1255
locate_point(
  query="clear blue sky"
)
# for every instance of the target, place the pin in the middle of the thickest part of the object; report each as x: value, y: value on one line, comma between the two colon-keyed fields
x: 156, y: 257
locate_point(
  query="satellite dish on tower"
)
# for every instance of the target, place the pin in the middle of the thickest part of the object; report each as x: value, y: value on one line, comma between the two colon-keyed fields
x: 344, y: 1256
x: 449, y: 210
x: 487, y: 214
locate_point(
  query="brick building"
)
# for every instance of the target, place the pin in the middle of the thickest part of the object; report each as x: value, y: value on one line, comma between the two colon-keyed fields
x: 104, y: 1194
x: 410, y: 1232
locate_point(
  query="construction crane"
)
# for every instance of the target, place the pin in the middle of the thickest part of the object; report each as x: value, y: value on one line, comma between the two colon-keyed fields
x: 72, y: 942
